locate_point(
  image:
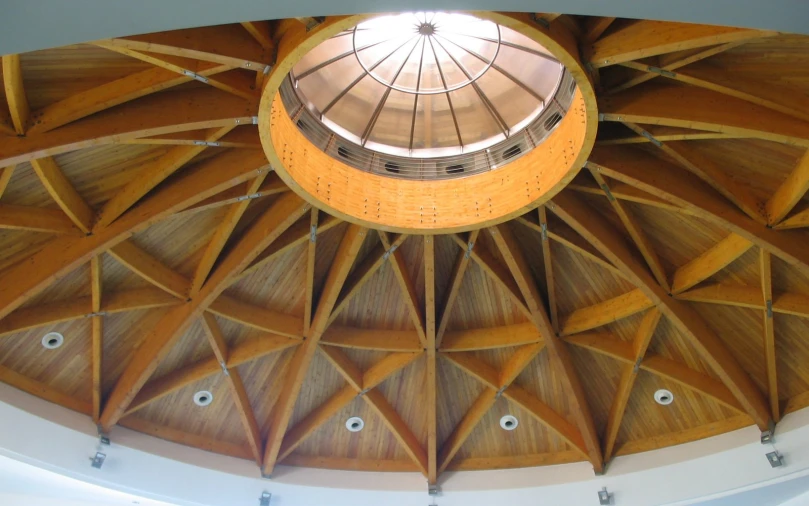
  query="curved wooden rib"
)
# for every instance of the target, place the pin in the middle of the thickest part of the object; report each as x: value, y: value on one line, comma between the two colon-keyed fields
x: 707, y: 343
x: 170, y: 327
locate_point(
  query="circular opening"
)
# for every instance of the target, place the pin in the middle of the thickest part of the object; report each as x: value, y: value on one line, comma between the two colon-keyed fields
x: 354, y: 424
x: 52, y: 340
x: 203, y: 398
x: 664, y: 397
x: 509, y: 422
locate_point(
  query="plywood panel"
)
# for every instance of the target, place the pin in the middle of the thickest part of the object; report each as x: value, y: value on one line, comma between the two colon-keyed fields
x: 455, y: 394
x: 378, y: 304
x: 263, y: 379
x: 481, y: 303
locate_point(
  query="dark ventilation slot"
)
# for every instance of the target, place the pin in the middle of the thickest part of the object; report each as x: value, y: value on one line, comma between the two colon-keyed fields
x: 392, y: 167
x: 572, y: 86
x: 454, y: 169
x: 553, y: 121
x: 511, y: 152
x: 342, y: 151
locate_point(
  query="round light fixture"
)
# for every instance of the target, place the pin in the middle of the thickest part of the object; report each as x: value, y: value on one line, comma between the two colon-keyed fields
x: 203, y: 398
x: 52, y: 340
x: 354, y: 424
x: 509, y: 422
x: 664, y: 397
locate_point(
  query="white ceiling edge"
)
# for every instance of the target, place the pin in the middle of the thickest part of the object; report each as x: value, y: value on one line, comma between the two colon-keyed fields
x: 27, y: 25
x: 145, y: 466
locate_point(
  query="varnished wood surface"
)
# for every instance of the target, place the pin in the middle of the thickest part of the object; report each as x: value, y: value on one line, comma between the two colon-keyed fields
x: 112, y: 221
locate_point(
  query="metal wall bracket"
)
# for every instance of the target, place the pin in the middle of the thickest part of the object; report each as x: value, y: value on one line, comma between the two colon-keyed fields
x: 194, y: 75
x: 313, y: 233
x: 103, y: 437
x: 264, y: 500
x: 768, y: 436
x: 255, y: 120
x: 607, y: 192
x: 662, y: 72
x: 636, y: 367
x: 604, y: 497
x: 543, y: 230
x: 775, y: 459
x: 651, y: 138
x: 769, y: 309
x: 500, y: 392
x: 224, y: 368
x: 433, y: 490
x: 98, y: 460
x: 312, y: 22
x: 212, y: 144
x: 601, y: 117
x: 100, y: 313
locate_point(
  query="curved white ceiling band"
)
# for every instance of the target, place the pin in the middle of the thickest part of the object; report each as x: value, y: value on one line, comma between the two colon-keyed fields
x: 165, y: 471
x: 28, y: 26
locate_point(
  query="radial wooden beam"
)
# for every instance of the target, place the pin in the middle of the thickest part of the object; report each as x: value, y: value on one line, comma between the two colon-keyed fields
x: 38, y: 219
x: 81, y: 307
x: 674, y: 61
x: 62, y: 191
x: 311, y: 249
x: 159, y: 113
x: 43, y: 391
x: 150, y: 268
x: 666, y: 181
x: 519, y: 268
x: 639, y: 345
x: 226, y: 44
x: 623, y: 191
x: 644, y: 38
x: 595, y: 27
x: 548, y: 263
x: 430, y: 383
x: 696, y: 108
x: 454, y: 288
x: 242, y: 353
x: 237, y: 390
x: 789, y: 193
x: 769, y: 334
x: 111, y: 94
x: 617, y: 308
x: 235, y: 84
x: 159, y: 340
x: 221, y: 236
x: 151, y: 175
x: 409, y: 295
x: 635, y: 232
x: 5, y: 178
x: 710, y: 172
x: 260, y: 30
x: 693, y: 327
x: 97, y: 340
x: 15, y: 93
x: 709, y: 263
x: 257, y: 317
x: 748, y: 296
x: 299, y: 365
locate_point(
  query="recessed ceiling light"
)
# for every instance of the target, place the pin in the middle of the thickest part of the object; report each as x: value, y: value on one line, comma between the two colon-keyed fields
x: 354, y: 424
x: 509, y: 422
x: 203, y: 398
x: 664, y: 397
x: 52, y: 340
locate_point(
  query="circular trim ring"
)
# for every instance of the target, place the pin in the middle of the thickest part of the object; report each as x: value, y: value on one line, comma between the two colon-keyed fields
x: 355, y: 424
x: 203, y: 398
x: 53, y: 340
x: 438, y: 206
x: 509, y: 422
x: 664, y: 397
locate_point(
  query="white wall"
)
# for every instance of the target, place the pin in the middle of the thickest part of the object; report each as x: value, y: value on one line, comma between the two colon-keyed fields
x: 144, y: 466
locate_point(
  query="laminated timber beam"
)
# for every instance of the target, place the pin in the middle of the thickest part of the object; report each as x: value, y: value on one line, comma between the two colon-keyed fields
x: 60, y: 256
x: 667, y: 181
x: 708, y: 344
x: 160, y: 339
x: 15, y: 94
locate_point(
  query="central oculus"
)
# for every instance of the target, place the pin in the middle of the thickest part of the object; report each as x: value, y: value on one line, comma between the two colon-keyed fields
x: 427, y: 84
x: 427, y: 122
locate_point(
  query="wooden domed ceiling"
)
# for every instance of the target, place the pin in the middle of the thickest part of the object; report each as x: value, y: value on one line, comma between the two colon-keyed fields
x: 142, y: 221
